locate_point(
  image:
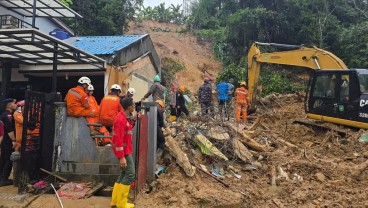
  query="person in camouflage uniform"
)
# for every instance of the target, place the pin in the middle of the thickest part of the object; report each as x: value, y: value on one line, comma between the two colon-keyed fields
x: 205, y: 97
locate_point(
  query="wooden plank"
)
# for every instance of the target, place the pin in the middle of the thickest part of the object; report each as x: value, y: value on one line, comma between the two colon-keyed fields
x: 247, y: 140
x: 94, y: 190
x: 181, y: 157
x: 52, y: 174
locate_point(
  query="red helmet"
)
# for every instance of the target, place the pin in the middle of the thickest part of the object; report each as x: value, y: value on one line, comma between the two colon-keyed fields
x: 206, y: 79
x: 174, y: 87
x: 20, y: 103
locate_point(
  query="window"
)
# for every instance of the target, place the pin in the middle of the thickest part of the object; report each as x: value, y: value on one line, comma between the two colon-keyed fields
x: 363, y: 83
x: 325, y: 86
x: 344, y: 93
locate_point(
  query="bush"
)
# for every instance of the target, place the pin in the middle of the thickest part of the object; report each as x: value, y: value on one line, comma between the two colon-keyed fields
x: 169, y: 68
x: 275, y: 81
x: 233, y: 74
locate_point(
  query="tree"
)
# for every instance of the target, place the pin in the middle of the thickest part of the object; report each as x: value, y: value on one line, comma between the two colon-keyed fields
x: 173, y: 14
x: 354, y: 49
x: 105, y: 17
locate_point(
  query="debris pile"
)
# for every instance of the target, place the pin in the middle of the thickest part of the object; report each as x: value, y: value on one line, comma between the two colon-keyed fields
x: 270, y: 161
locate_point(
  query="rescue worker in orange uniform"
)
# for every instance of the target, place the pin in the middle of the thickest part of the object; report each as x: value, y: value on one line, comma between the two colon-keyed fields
x: 110, y: 106
x: 94, y: 120
x: 123, y: 148
x: 77, y: 100
x: 18, y: 117
x: 93, y: 105
x: 242, y: 102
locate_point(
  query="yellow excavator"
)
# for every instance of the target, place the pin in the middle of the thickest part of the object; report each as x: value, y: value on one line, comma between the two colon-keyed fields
x: 335, y: 93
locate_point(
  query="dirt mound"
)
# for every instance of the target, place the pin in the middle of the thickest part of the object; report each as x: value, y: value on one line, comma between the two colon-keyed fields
x: 311, y: 167
x: 170, y: 42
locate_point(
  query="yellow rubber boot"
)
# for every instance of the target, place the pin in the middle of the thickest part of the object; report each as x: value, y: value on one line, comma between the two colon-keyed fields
x: 123, y: 198
x: 115, y: 192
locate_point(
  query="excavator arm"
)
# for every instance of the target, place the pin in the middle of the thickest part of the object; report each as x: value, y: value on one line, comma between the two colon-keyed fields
x: 313, y: 58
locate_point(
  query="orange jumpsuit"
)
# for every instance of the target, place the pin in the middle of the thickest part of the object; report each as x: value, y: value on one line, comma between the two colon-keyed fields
x: 94, y: 119
x: 242, y: 101
x: 18, y: 117
x: 110, y: 107
x: 77, y: 103
x: 93, y: 105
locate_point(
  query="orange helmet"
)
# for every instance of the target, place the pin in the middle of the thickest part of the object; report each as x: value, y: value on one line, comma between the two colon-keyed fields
x: 160, y: 102
x: 182, y: 88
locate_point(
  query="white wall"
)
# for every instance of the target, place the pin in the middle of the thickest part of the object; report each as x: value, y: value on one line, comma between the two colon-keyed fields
x: 45, y: 25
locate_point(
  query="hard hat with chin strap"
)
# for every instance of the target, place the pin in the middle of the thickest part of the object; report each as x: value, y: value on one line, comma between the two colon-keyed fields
x: 90, y: 87
x: 115, y: 87
x: 84, y: 80
x: 131, y: 91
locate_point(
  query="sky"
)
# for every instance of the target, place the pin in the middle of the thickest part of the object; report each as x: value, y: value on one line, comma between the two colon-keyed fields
x: 153, y: 3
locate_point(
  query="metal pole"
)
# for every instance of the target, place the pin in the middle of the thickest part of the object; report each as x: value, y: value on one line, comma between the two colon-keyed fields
x: 5, y: 80
x: 34, y: 14
x: 54, y: 69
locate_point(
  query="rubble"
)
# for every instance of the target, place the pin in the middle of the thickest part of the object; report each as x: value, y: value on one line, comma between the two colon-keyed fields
x: 247, y: 140
x: 181, y: 157
x: 319, y: 176
x: 241, y: 151
x: 207, y: 147
x: 218, y: 133
x: 293, y: 159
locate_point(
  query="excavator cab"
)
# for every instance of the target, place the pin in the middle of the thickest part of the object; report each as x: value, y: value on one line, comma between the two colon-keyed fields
x: 334, y: 93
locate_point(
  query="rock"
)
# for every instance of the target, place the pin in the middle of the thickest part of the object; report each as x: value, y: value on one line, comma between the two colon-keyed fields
x: 257, y: 164
x: 282, y: 173
x: 319, y: 176
x: 297, y: 178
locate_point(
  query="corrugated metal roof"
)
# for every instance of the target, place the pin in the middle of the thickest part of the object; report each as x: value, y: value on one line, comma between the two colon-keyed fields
x: 103, y: 45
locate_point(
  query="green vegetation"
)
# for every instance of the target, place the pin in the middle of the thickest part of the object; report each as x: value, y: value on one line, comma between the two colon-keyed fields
x: 275, y: 81
x: 160, y: 13
x: 169, y: 68
x: 102, y: 17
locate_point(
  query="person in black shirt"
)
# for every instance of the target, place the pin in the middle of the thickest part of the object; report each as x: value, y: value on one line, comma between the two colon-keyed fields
x: 130, y: 93
x: 8, y: 142
x: 160, y: 124
x: 180, y: 102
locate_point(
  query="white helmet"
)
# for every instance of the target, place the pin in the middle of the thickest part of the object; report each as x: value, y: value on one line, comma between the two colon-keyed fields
x: 90, y: 87
x: 115, y: 87
x: 131, y: 91
x: 84, y: 80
